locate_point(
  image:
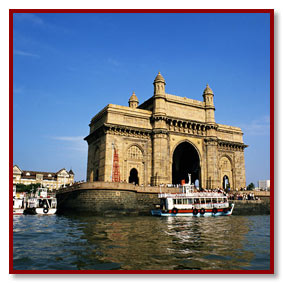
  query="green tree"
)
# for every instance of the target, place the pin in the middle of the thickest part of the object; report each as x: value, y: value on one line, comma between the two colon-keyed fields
x: 250, y: 187
x: 27, y: 188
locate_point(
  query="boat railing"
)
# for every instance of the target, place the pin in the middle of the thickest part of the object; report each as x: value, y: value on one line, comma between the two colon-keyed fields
x: 190, y: 194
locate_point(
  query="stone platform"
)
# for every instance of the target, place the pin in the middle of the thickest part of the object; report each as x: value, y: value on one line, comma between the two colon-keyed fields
x: 98, y: 198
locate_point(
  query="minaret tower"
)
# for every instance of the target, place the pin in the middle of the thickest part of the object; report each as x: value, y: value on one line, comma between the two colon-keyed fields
x: 159, y: 95
x: 160, y: 140
x: 209, y: 105
x: 211, y: 140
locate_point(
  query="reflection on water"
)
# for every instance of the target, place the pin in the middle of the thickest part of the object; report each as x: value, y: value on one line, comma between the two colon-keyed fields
x: 143, y: 242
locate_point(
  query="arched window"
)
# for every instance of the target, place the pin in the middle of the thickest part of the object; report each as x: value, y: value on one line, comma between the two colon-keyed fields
x: 134, y: 153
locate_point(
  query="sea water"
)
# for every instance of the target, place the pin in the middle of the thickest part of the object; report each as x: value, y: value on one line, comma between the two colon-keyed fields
x: 58, y: 242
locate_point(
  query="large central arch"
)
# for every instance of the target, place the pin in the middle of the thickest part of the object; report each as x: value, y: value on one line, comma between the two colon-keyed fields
x: 185, y: 161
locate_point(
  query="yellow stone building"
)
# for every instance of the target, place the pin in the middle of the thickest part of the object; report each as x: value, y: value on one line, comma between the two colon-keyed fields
x: 50, y: 180
x: 163, y: 140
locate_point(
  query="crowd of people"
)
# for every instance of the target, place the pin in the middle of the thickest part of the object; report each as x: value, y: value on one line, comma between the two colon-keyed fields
x: 231, y: 195
x: 243, y: 196
x: 235, y: 195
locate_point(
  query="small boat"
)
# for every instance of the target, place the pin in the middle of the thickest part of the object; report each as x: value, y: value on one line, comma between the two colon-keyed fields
x: 19, y: 202
x: 18, y: 206
x: 192, y: 202
x: 41, y: 204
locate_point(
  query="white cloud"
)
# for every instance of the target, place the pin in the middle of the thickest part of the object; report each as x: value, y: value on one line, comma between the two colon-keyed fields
x: 73, y: 143
x: 23, y: 53
x: 65, y: 138
x: 257, y: 127
x: 29, y: 17
x: 34, y: 19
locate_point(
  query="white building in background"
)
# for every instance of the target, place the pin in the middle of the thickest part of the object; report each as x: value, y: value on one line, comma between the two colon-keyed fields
x: 264, y: 185
x: 50, y: 180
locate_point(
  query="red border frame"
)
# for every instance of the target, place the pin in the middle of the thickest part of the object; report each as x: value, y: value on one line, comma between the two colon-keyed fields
x: 270, y: 12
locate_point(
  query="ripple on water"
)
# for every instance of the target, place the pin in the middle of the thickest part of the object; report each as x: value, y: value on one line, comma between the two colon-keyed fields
x: 107, y: 243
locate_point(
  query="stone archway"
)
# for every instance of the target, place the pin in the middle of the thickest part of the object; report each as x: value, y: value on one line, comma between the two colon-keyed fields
x: 185, y: 161
x: 134, y: 178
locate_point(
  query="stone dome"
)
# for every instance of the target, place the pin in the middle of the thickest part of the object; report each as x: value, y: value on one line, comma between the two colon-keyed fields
x: 133, y: 98
x: 207, y: 90
x: 159, y: 78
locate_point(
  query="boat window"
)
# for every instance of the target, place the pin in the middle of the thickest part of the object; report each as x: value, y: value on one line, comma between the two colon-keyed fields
x: 202, y: 200
x: 214, y: 200
x: 221, y: 200
x: 174, y: 201
x: 179, y: 201
x: 190, y: 201
x: 185, y: 201
x: 208, y: 200
x: 196, y: 200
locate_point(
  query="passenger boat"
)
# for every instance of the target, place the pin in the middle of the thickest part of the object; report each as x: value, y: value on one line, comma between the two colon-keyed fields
x: 192, y: 202
x: 18, y: 202
x: 41, y: 204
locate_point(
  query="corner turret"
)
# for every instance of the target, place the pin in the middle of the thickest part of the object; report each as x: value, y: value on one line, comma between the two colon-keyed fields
x: 209, y: 104
x: 159, y: 85
x: 159, y: 95
x: 133, y: 101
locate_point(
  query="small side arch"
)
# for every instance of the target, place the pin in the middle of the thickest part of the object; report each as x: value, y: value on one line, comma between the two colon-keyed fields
x: 226, y: 171
x: 134, y: 176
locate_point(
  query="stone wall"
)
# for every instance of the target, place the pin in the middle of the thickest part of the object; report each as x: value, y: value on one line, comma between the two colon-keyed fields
x: 107, y: 201
x: 251, y: 207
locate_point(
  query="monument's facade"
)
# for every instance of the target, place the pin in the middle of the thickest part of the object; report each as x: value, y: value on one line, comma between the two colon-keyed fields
x: 163, y: 140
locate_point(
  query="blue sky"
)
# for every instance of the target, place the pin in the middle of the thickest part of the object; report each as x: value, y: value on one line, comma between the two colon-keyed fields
x: 67, y: 67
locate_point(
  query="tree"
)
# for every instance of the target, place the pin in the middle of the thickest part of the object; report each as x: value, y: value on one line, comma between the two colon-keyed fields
x: 250, y: 187
x: 27, y: 188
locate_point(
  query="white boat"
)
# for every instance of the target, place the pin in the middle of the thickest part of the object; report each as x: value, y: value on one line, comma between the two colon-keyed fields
x: 42, y: 203
x: 19, y: 202
x: 192, y: 202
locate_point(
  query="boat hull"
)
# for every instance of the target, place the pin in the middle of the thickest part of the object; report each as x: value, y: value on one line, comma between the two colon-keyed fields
x: 18, y: 211
x: 210, y: 212
x: 40, y: 211
x: 44, y: 211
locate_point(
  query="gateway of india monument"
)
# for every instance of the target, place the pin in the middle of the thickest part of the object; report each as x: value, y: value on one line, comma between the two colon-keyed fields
x: 163, y: 140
